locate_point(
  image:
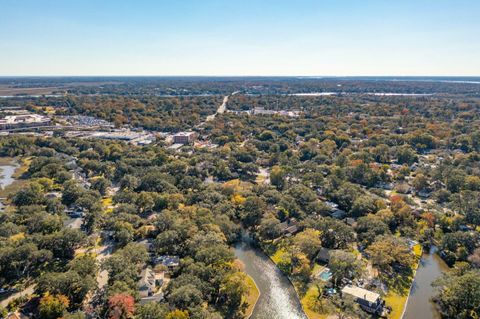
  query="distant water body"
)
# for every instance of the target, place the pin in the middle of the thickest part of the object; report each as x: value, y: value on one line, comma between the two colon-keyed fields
x: 445, y: 79
x: 469, y: 82
x: 360, y: 93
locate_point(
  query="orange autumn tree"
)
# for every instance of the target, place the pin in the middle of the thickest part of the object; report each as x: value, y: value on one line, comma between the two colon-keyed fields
x: 121, y: 306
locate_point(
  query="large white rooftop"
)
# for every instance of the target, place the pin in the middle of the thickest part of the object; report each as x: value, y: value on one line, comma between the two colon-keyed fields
x: 361, y: 293
x: 184, y: 133
x: 27, y: 118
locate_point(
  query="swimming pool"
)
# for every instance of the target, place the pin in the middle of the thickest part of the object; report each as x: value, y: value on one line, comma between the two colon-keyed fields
x: 325, y: 275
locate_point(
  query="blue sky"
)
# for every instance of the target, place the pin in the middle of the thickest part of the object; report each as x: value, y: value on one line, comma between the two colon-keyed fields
x: 240, y: 37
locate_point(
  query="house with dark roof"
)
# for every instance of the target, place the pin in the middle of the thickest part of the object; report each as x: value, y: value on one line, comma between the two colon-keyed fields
x: 324, y: 254
x: 424, y: 193
x: 147, y: 243
x: 334, y: 211
x: 385, y: 185
x: 167, y: 260
x: 338, y: 213
x: 289, y: 227
x: 350, y: 221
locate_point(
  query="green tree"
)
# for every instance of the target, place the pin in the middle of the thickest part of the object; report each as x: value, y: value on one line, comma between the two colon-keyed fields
x: 185, y: 296
x: 455, y: 180
x: 178, y: 314
x: 369, y: 227
x: 22, y: 260
x: 388, y: 251
x: 363, y: 205
x: 345, y: 307
x: 343, y: 265
x: 335, y: 234
x: 52, y: 306
x: 269, y: 228
x: 232, y: 291
x: 420, y: 182
x: 277, y: 177
x: 70, y: 284
x: 84, y: 265
x: 145, y: 202
x: 30, y: 195
x: 406, y: 155
x: 308, y: 241
x: 253, y: 209
x: 100, y: 184
x: 151, y: 310
x: 71, y: 192
x: 459, y: 295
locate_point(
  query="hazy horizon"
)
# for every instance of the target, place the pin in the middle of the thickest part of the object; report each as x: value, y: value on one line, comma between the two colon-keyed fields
x: 240, y: 38
x: 319, y: 77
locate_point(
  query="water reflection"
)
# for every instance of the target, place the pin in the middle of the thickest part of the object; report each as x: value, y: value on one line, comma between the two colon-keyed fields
x: 6, y: 173
x: 419, y: 303
x: 278, y: 299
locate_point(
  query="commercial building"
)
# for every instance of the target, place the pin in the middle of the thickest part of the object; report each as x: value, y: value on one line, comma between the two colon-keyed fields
x: 184, y: 137
x: 21, y: 121
x: 132, y: 137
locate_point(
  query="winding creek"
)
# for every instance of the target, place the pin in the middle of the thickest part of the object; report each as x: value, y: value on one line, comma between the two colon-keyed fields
x: 278, y: 299
x: 419, y: 302
x: 6, y: 175
x: 6, y: 178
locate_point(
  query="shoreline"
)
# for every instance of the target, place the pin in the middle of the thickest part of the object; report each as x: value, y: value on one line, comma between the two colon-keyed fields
x: 404, y: 306
x: 248, y: 315
x: 410, y: 289
x: 430, y: 253
x: 291, y: 282
x: 20, y: 167
x: 257, y: 245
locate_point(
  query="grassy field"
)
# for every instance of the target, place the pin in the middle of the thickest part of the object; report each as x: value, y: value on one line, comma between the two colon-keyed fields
x: 6, y: 160
x: 278, y: 255
x: 309, y: 303
x: 6, y: 89
x: 252, y: 297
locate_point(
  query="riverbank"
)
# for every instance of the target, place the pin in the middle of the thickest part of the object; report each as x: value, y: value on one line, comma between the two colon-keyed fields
x: 16, y: 167
x: 397, y: 299
x: 277, y: 296
x: 419, y: 303
x: 309, y: 304
x: 308, y: 300
x: 252, y: 297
